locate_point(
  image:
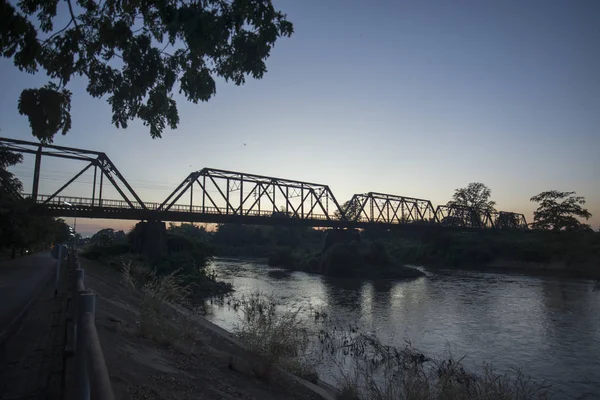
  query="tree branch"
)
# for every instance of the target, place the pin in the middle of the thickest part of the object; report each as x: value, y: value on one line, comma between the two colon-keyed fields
x: 73, y: 19
x: 164, y: 48
x: 57, y: 33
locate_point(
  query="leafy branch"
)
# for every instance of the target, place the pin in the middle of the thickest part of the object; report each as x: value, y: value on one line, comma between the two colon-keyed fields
x: 215, y: 38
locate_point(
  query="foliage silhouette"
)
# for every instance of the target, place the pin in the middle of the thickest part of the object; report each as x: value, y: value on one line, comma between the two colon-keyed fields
x: 134, y: 53
x: 476, y: 195
x: 558, y: 211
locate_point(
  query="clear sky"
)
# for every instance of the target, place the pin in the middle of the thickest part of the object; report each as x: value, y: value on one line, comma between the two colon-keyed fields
x: 413, y: 98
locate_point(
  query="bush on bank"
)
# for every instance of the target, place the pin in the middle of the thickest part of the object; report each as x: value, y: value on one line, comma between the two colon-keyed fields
x: 189, y: 253
x: 367, y: 259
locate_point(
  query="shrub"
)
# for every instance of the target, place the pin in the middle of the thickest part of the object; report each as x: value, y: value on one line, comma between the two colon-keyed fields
x: 283, y: 257
x: 277, y: 339
x: 342, y: 259
x: 157, y: 321
x: 388, y: 373
x: 97, y: 251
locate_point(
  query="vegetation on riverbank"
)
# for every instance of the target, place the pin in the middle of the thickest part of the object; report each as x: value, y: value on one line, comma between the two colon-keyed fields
x: 189, y: 254
x: 368, y: 368
x: 262, y: 241
x: 380, y: 253
x: 576, y: 253
x: 277, y: 339
x: 366, y: 259
x: 389, y: 373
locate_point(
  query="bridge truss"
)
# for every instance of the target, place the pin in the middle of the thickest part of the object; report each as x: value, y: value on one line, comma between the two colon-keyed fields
x: 219, y: 196
x: 236, y: 193
x: 389, y: 209
x: 103, y: 168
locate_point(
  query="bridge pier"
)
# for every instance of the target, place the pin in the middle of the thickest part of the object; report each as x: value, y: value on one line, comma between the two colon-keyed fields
x: 149, y: 238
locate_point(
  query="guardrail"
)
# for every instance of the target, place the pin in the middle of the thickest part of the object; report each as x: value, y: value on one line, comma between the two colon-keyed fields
x: 90, y: 373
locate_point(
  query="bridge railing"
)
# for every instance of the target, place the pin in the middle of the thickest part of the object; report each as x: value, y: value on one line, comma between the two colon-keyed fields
x: 225, y: 211
x: 69, y: 202
x: 91, y: 376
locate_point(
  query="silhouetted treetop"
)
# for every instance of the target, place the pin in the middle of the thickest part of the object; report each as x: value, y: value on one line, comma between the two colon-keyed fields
x: 351, y: 209
x: 134, y: 53
x: 558, y: 211
x: 476, y: 195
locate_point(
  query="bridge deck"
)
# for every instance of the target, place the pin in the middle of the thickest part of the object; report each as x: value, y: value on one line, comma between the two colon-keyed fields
x: 63, y: 206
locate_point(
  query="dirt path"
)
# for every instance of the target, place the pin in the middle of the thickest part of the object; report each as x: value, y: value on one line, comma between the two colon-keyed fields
x: 208, y: 366
x: 32, y: 357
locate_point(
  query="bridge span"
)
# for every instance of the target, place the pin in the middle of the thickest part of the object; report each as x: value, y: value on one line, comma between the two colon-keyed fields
x: 218, y: 196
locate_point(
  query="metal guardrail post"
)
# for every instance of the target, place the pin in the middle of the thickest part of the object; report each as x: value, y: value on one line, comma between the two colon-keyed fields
x: 78, y: 288
x: 99, y: 377
x: 58, y: 262
x: 86, y: 304
x: 79, y: 276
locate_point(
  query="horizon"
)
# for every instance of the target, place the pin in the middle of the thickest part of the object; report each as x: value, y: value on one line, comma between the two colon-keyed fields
x: 408, y: 99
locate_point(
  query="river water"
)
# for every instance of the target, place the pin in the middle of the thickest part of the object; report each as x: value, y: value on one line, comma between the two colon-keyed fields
x: 549, y: 327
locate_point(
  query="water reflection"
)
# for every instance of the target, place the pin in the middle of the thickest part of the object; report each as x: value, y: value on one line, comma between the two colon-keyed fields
x: 547, y: 326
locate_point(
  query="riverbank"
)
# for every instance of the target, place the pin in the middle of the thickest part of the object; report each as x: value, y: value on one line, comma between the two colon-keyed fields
x: 368, y: 260
x: 533, y: 269
x: 190, y: 358
x: 560, y: 254
x: 545, y: 326
x: 563, y: 254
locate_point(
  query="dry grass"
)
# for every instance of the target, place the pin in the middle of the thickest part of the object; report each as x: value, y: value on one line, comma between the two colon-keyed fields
x: 386, y: 373
x: 276, y: 338
x: 157, y: 321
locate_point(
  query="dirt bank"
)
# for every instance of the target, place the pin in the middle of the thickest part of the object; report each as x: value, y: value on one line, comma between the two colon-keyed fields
x: 207, y: 364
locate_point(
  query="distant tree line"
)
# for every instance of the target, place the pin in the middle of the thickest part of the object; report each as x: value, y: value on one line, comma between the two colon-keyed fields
x: 557, y: 211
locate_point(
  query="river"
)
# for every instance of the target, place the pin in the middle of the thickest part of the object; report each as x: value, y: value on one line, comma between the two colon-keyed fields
x: 549, y: 327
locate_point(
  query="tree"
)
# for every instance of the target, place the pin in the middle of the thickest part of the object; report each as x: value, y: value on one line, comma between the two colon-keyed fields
x: 12, y: 231
x: 107, y: 236
x: 476, y: 195
x: 10, y: 186
x: 559, y: 211
x: 507, y: 220
x: 196, y: 232
x: 61, y: 231
x: 351, y: 208
x: 19, y: 228
x: 133, y: 53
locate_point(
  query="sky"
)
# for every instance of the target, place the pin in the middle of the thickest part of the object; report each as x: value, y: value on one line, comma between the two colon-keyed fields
x: 414, y: 98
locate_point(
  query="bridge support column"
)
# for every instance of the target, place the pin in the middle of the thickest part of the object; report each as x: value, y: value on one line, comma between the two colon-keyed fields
x: 150, y: 239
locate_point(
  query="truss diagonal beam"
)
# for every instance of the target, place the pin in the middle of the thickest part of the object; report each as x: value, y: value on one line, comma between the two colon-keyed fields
x: 69, y: 182
x: 207, y: 195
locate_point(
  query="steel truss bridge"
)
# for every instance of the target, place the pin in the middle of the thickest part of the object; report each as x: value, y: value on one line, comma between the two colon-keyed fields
x: 218, y: 196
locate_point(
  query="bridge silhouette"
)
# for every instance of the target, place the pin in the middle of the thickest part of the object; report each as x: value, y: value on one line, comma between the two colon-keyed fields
x: 239, y: 197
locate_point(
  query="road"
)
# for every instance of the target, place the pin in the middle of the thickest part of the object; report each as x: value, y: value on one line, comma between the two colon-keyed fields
x: 20, y: 280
